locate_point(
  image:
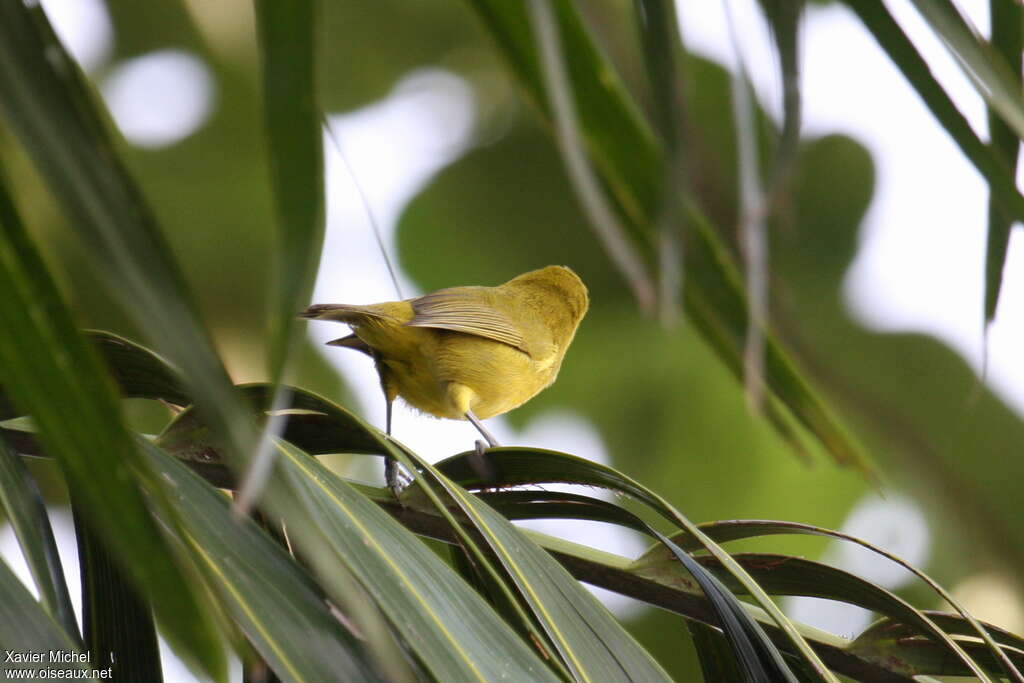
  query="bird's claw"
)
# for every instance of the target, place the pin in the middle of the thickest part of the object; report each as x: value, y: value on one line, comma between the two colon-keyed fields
x: 395, y: 478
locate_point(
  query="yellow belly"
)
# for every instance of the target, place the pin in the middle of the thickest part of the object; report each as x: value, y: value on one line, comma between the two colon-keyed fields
x: 498, y: 376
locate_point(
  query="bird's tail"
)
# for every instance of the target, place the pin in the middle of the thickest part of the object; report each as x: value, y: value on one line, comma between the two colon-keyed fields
x: 343, y: 313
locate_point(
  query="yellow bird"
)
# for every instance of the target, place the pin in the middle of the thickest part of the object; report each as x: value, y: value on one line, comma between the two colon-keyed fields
x: 467, y: 352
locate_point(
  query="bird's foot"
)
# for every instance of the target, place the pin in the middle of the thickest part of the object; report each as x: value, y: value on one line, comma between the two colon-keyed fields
x: 395, y: 478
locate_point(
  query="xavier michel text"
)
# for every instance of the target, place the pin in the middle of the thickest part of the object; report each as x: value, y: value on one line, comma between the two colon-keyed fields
x: 47, y: 656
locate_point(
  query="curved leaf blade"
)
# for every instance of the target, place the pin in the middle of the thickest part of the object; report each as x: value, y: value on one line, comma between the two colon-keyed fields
x: 275, y: 603
x: 55, y: 377
x: 118, y: 627
x: 887, y: 32
x: 287, y: 44
x: 50, y: 108
x: 593, y: 645
x: 26, y: 512
x: 455, y: 634
x: 25, y: 627
x: 1008, y: 41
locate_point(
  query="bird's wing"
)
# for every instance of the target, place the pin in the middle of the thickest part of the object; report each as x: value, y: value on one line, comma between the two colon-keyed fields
x: 467, y: 310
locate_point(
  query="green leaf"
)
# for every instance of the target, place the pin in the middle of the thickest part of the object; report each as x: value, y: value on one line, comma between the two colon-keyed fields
x: 54, y: 376
x: 1001, y: 182
x: 592, y: 197
x: 682, y: 595
x: 287, y: 48
x: 778, y: 575
x: 620, y: 146
x: 629, y: 162
x: 51, y: 109
x: 453, y: 632
x: 739, y: 529
x: 983, y: 66
x: 718, y: 309
x: 716, y: 660
x: 877, y: 641
x: 515, y: 466
x: 183, y: 439
x: 1006, y: 20
x: 586, y: 638
x: 314, y: 424
x: 25, y: 627
x: 895, y: 645
x: 901, y: 655
x: 26, y: 513
x: 664, y: 60
x: 955, y: 624
x: 118, y: 625
x: 757, y: 657
x: 287, y: 44
x: 784, y: 19
x: 784, y: 575
x: 277, y: 605
x: 591, y: 643
x: 528, y: 573
x: 139, y: 371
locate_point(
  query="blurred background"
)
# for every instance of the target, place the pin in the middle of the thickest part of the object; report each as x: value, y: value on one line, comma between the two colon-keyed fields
x: 876, y: 266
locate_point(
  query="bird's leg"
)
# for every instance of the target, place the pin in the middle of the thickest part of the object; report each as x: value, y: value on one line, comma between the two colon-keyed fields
x: 483, y: 430
x: 390, y: 465
x: 483, y: 468
x: 391, y: 471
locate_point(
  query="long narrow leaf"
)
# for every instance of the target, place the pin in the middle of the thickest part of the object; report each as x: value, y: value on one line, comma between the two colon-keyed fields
x: 287, y: 44
x: 778, y: 575
x: 753, y: 226
x: 622, y: 149
x: 891, y: 661
x: 737, y: 529
x: 784, y: 18
x: 664, y: 60
x: 26, y: 512
x: 54, y: 375
x: 453, y: 632
x: 781, y: 575
x: 275, y: 603
x: 899, y: 655
x: 118, y: 626
x: 568, y: 616
x: 287, y: 48
x: 716, y: 662
x: 49, y: 106
x: 984, y: 67
x: 590, y: 641
x: 26, y: 628
x: 591, y: 195
x: 887, y: 32
x: 528, y: 466
x: 536, y: 466
x: 1006, y: 20
x: 758, y: 659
